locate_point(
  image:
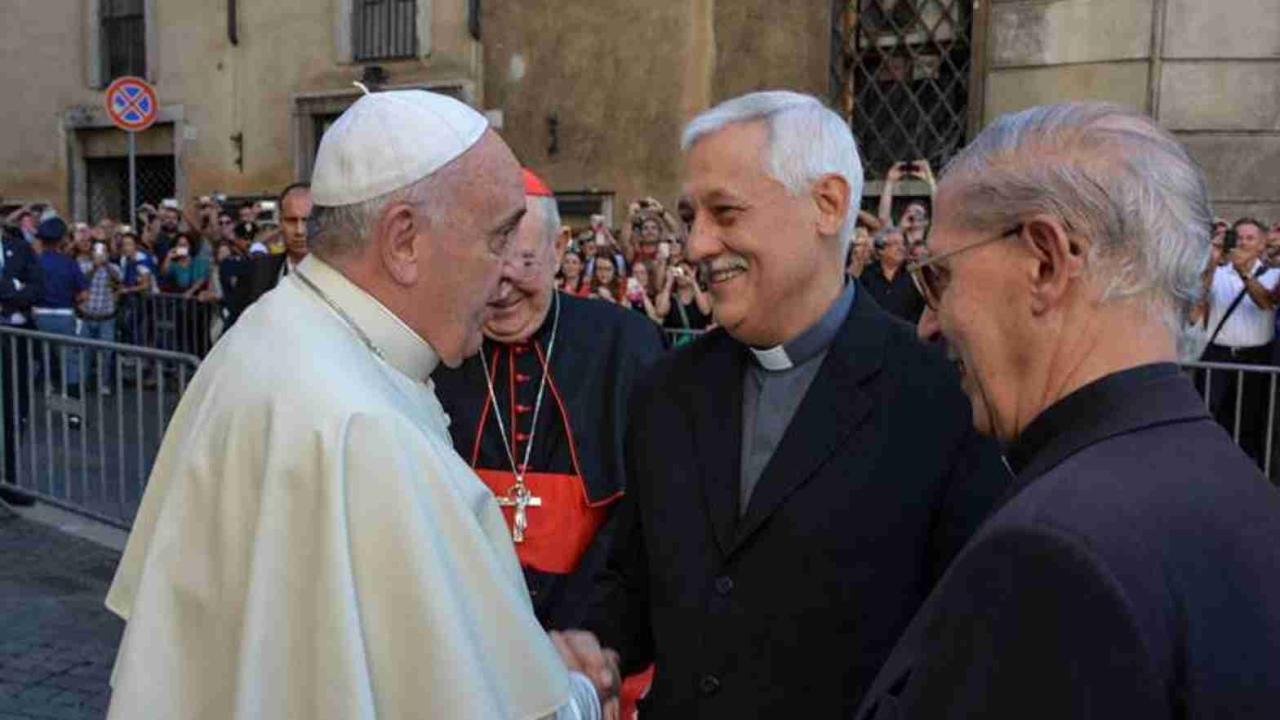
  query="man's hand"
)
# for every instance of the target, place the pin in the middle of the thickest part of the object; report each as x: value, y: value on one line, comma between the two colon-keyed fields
x: 895, y: 172
x: 581, y: 651
x: 1241, y: 261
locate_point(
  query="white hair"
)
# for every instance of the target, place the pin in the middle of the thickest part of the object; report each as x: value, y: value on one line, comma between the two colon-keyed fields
x: 806, y: 141
x: 550, y: 214
x: 1109, y: 174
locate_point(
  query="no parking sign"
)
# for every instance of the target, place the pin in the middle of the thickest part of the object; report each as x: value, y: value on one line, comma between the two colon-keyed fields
x: 131, y: 104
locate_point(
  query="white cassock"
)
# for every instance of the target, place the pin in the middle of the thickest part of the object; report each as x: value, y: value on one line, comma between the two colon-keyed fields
x: 310, y: 546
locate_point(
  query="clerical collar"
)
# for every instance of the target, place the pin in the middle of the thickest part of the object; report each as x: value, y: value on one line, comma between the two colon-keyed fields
x: 400, y: 346
x: 1086, y: 412
x: 809, y: 343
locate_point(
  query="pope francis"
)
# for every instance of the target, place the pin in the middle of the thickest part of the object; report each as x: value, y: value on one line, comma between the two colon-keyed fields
x: 310, y: 546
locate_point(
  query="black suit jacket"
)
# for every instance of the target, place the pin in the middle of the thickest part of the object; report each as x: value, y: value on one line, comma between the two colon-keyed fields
x: 21, y: 264
x: 1135, y: 574
x: 261, y: 277
x: 875, y: 485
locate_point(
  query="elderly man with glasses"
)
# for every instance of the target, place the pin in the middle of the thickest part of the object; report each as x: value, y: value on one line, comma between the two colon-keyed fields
x: 1131, y: 571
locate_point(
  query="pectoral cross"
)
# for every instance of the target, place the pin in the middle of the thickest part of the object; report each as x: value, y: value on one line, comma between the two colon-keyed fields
x: 519, y: 498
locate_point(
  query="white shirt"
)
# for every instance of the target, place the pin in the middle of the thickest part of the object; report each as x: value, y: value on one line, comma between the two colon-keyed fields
x: 1249, y: 325
x: 310, y: 545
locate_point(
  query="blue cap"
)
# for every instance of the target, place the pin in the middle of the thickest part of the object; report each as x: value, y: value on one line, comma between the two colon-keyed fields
x: 52, y: 229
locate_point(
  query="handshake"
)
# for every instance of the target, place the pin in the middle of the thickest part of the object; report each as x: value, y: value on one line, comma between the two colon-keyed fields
x: 581, y: 652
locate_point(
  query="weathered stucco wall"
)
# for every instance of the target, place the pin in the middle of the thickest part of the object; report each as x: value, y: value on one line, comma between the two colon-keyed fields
x: 611, y: 73
x: 1208, y: 71
x: 769, y: 45
x: 621, y: 79
x: 286, y: 48
x: 41, y: 72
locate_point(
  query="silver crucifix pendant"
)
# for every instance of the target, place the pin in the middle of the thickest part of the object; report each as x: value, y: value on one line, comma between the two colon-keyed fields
x: 521, y: 499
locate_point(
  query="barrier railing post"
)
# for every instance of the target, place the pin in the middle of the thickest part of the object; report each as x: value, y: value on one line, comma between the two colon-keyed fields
x: 79, y: 476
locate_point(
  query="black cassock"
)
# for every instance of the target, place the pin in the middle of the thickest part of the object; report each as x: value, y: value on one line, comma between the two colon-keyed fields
x: 576, y: 465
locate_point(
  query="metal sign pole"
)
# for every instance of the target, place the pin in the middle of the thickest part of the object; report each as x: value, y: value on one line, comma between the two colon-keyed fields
x: 133, y: 182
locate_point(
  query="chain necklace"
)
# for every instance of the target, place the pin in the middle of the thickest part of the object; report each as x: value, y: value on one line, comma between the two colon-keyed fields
x: 342, y: 314
x: 519, y: 495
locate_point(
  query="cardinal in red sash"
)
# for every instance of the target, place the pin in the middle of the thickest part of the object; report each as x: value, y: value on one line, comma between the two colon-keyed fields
x: 541, y: 412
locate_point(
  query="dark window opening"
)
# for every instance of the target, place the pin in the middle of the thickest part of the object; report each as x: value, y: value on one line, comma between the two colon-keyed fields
x: 108, y: 184
x: 124, y: 46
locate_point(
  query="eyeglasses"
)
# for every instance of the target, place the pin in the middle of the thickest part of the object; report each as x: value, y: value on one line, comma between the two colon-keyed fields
x: 932, y: 280
x: 524, y: 267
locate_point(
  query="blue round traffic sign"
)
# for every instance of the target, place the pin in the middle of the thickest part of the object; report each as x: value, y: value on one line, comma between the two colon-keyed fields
x: 131, y: 104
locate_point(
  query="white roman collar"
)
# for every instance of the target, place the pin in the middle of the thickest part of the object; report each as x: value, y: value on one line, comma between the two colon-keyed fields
x: 773, y: 359
x: 400, y: 346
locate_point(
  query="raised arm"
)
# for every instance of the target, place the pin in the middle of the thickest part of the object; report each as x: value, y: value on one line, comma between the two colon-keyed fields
x: 886, y: 193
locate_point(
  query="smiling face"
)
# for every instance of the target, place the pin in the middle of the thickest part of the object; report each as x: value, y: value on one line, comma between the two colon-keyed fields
x: 571, y: 266
x: 528, y: 279
x: 982, y: 313
x: 755, y: 239
x: 1250, y: 240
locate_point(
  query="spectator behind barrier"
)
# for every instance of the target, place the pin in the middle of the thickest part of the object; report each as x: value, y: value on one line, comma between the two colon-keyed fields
x: 180, y: 271
x: 682, y: 303
x: 914, y: 221
x: 606, y: 282
x: 1239, y: 313
x: 888, y: 282
x: 571, y: 278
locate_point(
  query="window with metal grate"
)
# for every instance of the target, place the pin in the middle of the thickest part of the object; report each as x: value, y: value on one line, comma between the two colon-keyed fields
x: 900, y: 71
x: 384, y: 29
x: 108, y: 184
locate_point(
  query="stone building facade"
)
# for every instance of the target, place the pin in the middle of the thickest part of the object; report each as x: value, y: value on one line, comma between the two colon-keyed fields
x: 592, y: 93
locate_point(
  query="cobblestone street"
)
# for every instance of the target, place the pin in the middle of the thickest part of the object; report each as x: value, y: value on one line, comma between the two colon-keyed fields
x: 57, y: 640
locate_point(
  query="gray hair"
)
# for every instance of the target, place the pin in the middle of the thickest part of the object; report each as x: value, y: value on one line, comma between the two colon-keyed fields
x: 882, y: 235
x: 806, y: 141
x: 550, y: 214
x: 1110, y: 174
x: 336, y: 232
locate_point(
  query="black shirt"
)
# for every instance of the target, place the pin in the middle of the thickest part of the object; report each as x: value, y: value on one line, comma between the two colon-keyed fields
x: 1081, y: 418
x: 600, y: 351
x: 675, y: 320
x: 898, y: 296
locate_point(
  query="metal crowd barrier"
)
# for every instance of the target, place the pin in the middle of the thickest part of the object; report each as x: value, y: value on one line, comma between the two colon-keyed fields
x: 83, y: 419
x: 1242, y: 398
x: 170, y: 322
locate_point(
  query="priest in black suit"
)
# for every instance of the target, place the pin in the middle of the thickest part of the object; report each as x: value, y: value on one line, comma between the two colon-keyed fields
x: 1131, y: 571
x: 542, y: 410
x: 801, y: 478
x: 265, y: 271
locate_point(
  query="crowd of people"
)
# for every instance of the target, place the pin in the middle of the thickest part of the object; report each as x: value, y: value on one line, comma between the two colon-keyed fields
x: 93, y: 279
x: 643, y: 268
